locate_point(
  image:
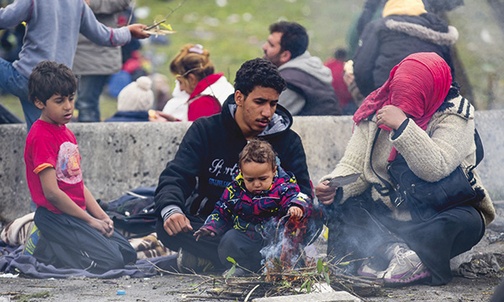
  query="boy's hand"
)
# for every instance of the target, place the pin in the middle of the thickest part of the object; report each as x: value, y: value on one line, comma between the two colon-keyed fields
x: 110, y: 224
x: 102, y: 227
x: 137, y: 31
x: 203, y: 232
x: 296, y: 212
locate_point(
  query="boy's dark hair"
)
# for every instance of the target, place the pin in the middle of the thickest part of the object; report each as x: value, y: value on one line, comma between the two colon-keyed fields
x: 340, y: 54
x: 49, y: 78
x: 258, y: 151
x: 294, y: 37
x: 258, y: 72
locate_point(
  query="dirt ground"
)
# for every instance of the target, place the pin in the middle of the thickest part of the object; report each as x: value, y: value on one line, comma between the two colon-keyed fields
x: 170, y: 287
x: 181, y: 288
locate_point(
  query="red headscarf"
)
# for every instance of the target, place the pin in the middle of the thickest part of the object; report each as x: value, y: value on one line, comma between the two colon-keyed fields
x: 418, y: 85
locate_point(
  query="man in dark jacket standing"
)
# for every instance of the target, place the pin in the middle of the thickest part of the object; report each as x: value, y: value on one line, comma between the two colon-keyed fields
x: 207, y: 159
x: 309, y: 83
x: 406, y: 28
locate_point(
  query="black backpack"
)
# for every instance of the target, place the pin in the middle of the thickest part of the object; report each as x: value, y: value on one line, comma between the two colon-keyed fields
x: 133, y: 213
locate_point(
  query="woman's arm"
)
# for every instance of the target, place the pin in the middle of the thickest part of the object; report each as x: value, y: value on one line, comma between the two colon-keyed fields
x: 434, y: 157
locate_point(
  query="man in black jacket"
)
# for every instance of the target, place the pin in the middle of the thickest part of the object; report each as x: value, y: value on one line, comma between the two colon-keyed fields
x: 207, y: 159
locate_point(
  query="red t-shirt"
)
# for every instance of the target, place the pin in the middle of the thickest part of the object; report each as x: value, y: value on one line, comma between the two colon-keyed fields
x: 53, y: 146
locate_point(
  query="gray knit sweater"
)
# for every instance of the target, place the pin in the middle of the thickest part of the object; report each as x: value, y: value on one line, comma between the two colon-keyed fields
x: 52, y: 30
x: 431, y: 155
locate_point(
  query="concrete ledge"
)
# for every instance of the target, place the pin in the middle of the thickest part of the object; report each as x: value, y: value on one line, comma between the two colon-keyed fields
x: 119, y: 156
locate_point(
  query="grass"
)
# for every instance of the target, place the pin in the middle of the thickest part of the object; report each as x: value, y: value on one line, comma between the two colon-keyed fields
x: 234, y: 31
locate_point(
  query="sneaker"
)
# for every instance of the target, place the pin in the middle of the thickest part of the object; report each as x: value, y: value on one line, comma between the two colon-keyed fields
x: 188, y: 263
x: 368, y: 270
x: 405, y: 267
x: 235, y: 272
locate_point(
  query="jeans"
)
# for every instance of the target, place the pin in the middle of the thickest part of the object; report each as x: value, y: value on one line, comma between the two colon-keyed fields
x: 88, y: 97
x: 11, y: 81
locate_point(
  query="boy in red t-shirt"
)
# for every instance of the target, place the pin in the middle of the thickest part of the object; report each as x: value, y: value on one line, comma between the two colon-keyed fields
x: 74, y: 231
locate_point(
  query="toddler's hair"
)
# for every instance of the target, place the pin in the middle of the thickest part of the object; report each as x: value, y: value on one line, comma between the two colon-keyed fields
x: 49, y: 78
x: 258, y: 151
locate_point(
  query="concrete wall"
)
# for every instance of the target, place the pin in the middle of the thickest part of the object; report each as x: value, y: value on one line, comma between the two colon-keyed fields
x: 119, y: 156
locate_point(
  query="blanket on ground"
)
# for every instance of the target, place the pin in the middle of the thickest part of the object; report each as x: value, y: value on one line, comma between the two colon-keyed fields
x: 12, y: 260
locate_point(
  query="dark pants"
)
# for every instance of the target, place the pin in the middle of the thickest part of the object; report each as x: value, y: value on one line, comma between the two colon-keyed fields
x: 88, y: 97
x: 69, y: 242
x: 242, y: 248
x: 205, y: 247
x: 361, y: 228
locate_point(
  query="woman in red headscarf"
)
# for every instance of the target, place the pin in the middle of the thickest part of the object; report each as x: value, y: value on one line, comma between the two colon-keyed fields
x: 418, y: 114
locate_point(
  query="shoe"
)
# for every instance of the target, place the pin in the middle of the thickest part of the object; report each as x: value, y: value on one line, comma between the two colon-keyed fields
x: 405, y: 267
x: 188, y: 263
x: 368, y: 270
x: 235, y: 272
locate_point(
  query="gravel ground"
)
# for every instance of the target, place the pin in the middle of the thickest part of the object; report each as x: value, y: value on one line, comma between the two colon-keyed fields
x: 177, y: 288
x: 170, y: 287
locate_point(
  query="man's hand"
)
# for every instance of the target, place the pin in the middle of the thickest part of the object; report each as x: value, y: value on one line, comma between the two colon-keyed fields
x: 137, y: 31
x: 177, y: 223
x: 203, y: 232
x: 325, y: 193
x: 296, y: 212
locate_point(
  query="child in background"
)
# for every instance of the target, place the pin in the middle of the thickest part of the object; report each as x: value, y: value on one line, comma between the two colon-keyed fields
x: 260, y: 193
x: 134, y: 102
x: 74, y: 231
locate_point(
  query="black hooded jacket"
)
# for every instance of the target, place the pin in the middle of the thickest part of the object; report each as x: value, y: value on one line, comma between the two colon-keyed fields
x: 207, y: 160
x: 386, y: 41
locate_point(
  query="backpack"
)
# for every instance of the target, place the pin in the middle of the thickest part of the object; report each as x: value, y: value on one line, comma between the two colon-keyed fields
x: 133, y: 213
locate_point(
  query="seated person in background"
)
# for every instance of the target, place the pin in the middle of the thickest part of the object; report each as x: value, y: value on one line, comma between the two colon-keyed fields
x: 309, y: 90
x: 406, y: 28
x: 134, y: 102
x: 423, y: 119
x: 206, y: 161
x: 251, y: 206
x: 195, y: 75
x: 336, y: 64
x: 74, y: 231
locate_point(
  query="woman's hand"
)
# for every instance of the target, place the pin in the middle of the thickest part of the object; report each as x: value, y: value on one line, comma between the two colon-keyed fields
x: 390, y: 116
x: 325, y: 193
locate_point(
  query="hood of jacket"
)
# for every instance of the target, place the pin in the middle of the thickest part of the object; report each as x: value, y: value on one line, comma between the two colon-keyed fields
x: 281, y: 121
x: 311, y: 65
x: 427, y: 27
x: 215, y: 85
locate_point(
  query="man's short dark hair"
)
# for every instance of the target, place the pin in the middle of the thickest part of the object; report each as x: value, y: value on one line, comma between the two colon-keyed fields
x: 49, y: 78
x: 258, y: 72
x: 294, y: 37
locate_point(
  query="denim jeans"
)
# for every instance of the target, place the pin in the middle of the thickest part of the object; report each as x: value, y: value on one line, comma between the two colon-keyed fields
x: 11, y: 81
x: 88, y: 97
